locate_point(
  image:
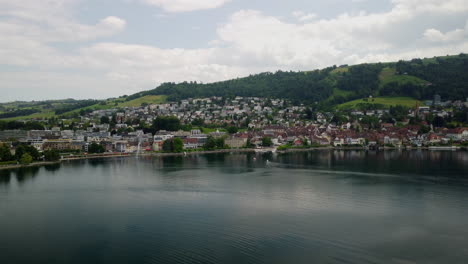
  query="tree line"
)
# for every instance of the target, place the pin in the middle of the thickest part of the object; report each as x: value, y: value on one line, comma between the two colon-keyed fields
x: 26, y: 154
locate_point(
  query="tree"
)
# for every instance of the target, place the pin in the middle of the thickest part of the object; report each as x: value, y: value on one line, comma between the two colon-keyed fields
x: 438, y: 121
x: 424, y: 130
x: 26, y: 159
x: 105, y: 120
x: 339, y: 119
x: 232, y: 129
x: 249, y: 144
x: 399, y: 112
x: 210, y: 143
x: 309, y: 114
x: 178, y: 145
x: 19, y: 151
x: 173, y: 145
x: 167, y: 145
x: 96, y: 148
x: 220, y: 143
x: 266, y: 142
x: 198, y: 122
x: 51, y: 155
x: 5, y: 153
x: 169, y: 123
x: 22, y: 149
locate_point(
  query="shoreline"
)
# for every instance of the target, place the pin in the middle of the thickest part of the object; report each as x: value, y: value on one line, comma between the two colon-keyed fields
x: 35, y: 164
x: 160, y: 154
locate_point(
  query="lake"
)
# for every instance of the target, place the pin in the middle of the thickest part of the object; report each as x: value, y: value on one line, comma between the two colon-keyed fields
x: 305, y: 207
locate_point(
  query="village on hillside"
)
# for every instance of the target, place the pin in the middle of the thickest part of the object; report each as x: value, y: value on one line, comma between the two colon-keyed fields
x: 243, y: 122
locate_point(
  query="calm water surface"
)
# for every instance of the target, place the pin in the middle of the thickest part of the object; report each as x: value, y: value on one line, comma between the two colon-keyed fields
x: 314, y: 207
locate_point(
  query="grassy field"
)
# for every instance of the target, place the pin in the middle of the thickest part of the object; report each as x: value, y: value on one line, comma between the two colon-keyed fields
x: 119, y: 103
x: 209, y: 130
x: 386, y: 101
x: 388, y: 75
x: 149, y: 99
x: 340, y: 70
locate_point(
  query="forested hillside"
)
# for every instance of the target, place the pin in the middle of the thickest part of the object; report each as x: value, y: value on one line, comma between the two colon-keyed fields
x: 418, y: 78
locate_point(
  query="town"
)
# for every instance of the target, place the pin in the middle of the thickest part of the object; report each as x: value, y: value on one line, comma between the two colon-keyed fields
x: 239, y: 122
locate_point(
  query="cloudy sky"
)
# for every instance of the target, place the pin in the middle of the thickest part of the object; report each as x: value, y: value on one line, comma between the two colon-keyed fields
x: 51, y: 49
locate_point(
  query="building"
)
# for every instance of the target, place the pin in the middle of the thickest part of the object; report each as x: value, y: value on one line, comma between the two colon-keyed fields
x: 190, y: 143
x: 13, y: 134
x: 44, y: 134
x: 121, y: 146
x: 59, y: 144
x: 235, y: 142
x: 458, y: 134
x: 437, y: 99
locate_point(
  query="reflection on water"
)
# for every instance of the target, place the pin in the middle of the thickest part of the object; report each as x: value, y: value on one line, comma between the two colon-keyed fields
x: 5, y: 177
x: 52, y: 167
x: 24, y: 174
x: 305, y: 207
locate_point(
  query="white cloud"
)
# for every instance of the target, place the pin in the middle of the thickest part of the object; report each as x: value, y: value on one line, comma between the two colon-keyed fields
x: 435, y: 35
x: 186, y: 5
x: 348, y: 38
x: 433, y: 6
x: 34, y: 10
x: 114, y: 23
x: 249, y: 41
x: 51, y: 21
x: 301, y: 16
x: 29, y: 29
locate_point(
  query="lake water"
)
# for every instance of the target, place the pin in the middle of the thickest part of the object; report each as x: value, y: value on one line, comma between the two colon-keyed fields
x: 311, y: 207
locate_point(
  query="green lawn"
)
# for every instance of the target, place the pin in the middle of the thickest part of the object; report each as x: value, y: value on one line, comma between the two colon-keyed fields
x: 149, y: 99
x: 209, y: 130
x: 386, y: 101
x: 388, y: 75
x: 340, y: 70
x: 118, y: 103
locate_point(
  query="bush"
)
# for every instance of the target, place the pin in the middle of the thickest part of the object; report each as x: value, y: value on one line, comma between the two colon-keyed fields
x: 214, y: 143
x: 26, y: 158
x: 96, y: 148
x: 232, y: 130
x: 23, y: 149
x: 284, y: 147
x: 169, y: 123
x: 266, y: 142
x: 51, y: 155
x: 5, y: 153
x: 173, y: 145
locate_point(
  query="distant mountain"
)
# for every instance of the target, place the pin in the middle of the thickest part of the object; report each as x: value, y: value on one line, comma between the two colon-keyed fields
x: 418, y: 79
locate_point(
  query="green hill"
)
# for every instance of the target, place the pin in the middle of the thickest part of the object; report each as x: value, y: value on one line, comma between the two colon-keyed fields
x: 419, y: 79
